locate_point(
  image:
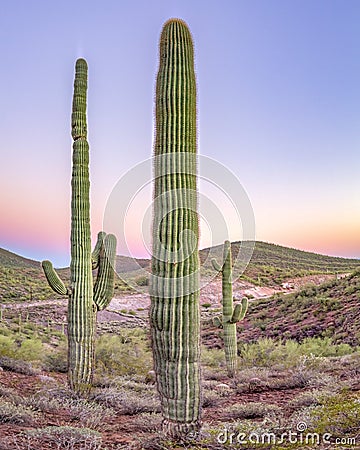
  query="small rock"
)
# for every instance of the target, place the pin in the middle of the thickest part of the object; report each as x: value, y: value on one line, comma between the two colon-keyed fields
x: 222, y: 386
x: 46, y: 378
x: 256, y: 384
x: 150, y: 377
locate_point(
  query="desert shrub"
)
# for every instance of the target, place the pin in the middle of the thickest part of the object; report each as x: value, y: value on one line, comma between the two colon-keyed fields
x: 7, y: 393
x: 31, y: 350
x: 4, y: 331
x: 211, y: 398
x: 127, y: 401
x: 303, y: 400
x: 14, y: 365
x: 128, y: 353
x: 56, y: 361
x: 7, y: 346
x: 64, y: 437
x: 258, y: 354
x: 324, y: 347
x: 148, y: 422
x: 212, y: 357
x: 253, y: 379
x: 88, y: 414
x: 351, y: 289
x: 206, y: 305
x: 15, y: 413
x: 299, y: 379
x: 338, y: 415
x: 250, y: 410
x: 309, y: 290
x: 43, y: 403
x: 269, y: 353
x: 142, y: 280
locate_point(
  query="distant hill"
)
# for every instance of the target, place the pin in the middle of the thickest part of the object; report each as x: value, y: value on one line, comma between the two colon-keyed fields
x: 272, y: 264
x: 125, y: 264
x: 22, y: 278
x: 329, y: 310
x: 9, y: 259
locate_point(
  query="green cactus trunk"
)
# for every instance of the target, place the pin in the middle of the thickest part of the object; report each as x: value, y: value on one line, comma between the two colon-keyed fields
x: 81, y: 311
x: 174, y: 287
x: 230, y: 315
x: 84, y: 300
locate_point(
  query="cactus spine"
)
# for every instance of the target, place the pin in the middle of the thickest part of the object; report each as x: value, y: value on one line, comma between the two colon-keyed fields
x: 174, y: 287
x: 230, y: 315
x: 84, y: 299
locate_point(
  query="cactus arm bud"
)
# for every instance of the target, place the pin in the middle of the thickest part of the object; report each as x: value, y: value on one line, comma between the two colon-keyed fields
x: 53, y: 278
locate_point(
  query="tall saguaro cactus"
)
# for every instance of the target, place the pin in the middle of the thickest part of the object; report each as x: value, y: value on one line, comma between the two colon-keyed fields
x: 84, y: 298
x: 230, y: 315
x: 174, y: 289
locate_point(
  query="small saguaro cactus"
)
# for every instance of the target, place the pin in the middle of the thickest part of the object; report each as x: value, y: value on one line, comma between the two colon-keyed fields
x: 84, y: 298
x: 174, y: 282
x: 230, y: 314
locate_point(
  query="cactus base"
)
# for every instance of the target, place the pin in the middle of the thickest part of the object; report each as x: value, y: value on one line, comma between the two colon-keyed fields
x: 181, y: 432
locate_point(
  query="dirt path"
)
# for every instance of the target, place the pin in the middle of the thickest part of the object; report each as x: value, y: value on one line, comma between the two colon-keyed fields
x: 129, y: 305
x: 22, y: 305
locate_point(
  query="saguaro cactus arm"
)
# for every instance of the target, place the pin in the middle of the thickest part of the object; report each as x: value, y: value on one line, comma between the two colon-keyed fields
x: 96, y: 253
x: 53, y: 278
x: 239, y: 311
x: 104, y: 285
x: 217, y: 322
x: 216, y: 265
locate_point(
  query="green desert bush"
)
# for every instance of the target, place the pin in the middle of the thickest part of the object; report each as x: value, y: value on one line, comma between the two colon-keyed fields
x: 128, y: 353
x: 214, y: 358
x: 7, y: 346
x: 267, y: 352
x: 142, y: 280
x: 338, y: 415
x: 31, y: 350
x: 56, y: 360
x: 324, y: 347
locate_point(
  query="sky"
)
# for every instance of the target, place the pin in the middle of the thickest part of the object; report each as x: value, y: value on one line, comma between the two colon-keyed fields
x: 278, y: 108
